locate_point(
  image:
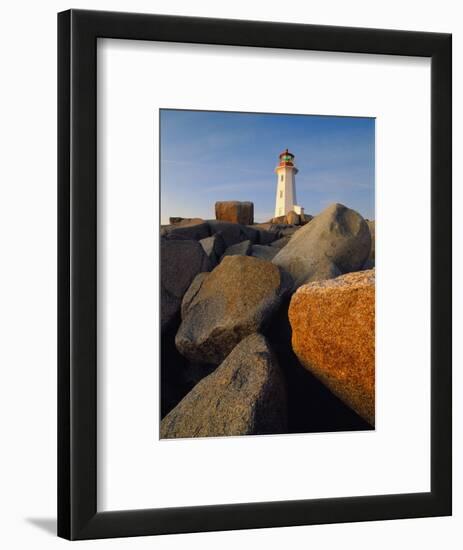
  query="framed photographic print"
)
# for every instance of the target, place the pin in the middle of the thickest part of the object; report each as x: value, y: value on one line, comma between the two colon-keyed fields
x: 254, y: 274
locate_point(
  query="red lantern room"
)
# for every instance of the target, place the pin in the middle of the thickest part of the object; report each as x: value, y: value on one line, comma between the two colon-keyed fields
x: 286, y: 158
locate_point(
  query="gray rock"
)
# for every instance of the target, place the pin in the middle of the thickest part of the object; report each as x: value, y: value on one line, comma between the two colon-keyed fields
x: 235, y: 212
x: 193, y: 289
x: 181, y: 261
x: 252, y: 234
x: 237, y: 298
x: 262, y: 226
x: 266, y: 233
x: 233, y: 233
x: 190, y: 229
x: 239, y: 249
x: 267, y: 237
x: 288, y: 231
x: 245, y: 395
x: 214, y: 247
x: 280, y: 243
x: 336, y: 241
x: 273, y: 228
x: 264, y: 252
x: 325, y: 271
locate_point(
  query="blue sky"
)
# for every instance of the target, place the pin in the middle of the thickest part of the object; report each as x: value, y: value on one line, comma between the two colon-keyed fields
x: 208, y: 156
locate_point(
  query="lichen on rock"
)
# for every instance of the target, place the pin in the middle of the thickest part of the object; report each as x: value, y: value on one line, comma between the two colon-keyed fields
x: 333, y: 336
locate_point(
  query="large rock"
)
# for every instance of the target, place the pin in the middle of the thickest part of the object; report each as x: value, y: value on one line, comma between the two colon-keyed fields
x: 181, y: 261
x: 336, y: 241
x: 245, y: 395
x: 237, y: 298
x: 370, y: 263
x: 233, y: 233
x: 190, y: 229
x: 264, y: 252
x: 214, y: 247
x: 239, y: 249
x: 235, y: 212
x: 278, y: 227
x: 265, y: 236
x: 280, y: 243
x: 193, y: 289
x: 288, y: 230
x: 333, y: 335
x: 264, y: 226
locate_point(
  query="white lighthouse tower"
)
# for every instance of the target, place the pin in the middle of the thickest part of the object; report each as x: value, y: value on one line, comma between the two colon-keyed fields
x: 286, y: 186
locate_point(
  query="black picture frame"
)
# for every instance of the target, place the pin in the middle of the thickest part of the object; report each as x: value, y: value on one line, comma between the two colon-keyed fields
x: 78, y: 517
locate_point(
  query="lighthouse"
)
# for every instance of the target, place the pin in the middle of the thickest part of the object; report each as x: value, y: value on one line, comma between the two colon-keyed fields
x: 286, y: 185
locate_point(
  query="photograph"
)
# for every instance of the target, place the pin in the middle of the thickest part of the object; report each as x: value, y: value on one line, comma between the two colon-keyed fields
x: 267, y: 273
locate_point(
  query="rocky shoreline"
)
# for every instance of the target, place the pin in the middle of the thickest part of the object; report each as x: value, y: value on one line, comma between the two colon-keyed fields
x: 262, y: 331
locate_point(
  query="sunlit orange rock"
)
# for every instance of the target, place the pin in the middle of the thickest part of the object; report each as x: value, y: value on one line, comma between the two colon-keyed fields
x: 333, y: 335
x: 235, y: 212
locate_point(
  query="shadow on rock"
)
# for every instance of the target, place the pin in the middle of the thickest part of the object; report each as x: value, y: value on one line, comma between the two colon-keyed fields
x: 178, y: 376
x: 311, y: 406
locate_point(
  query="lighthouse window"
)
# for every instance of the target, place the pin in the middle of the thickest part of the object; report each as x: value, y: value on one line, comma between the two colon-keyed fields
x: 281, y: 177
x: 281, y: 194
